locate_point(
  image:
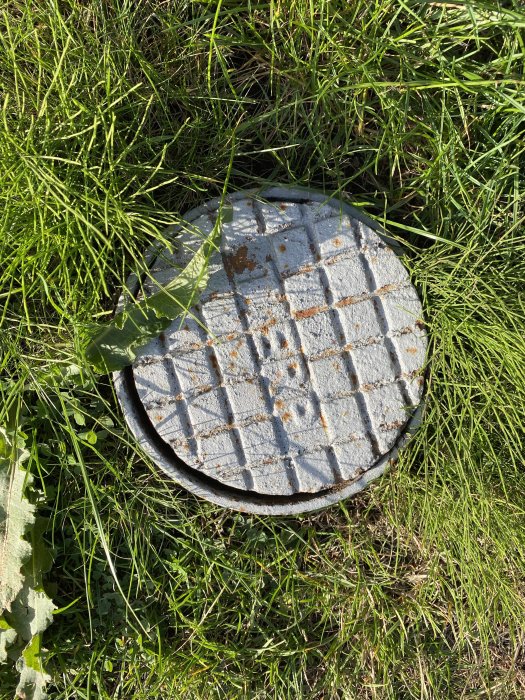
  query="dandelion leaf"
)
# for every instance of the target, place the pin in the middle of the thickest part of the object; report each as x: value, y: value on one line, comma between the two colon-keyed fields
x: 25, y: 609
x: 16, y: 517
x: 112, y: 346
x: 33, y: 678
x: 7, y: 638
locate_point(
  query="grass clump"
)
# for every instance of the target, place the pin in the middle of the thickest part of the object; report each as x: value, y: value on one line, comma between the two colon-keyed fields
x: 118, y: 117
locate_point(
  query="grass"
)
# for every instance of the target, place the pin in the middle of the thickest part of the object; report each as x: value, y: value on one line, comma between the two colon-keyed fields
x: 117, y: 117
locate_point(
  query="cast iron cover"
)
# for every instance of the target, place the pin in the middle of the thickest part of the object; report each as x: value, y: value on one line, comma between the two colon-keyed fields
x: 299, y: 372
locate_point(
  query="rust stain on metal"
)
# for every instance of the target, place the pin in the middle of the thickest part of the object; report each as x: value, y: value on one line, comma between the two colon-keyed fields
x: 373, y: 341
x: 266, y: 328
x: 346, y: 301
x: 387, y: 289
x: 260, y: 418
x: 233, y: 425
x: 297, y: 272
x: 312, y: 311
x: 395, y: 425
x: 329, y: 352
x: 239, y: 261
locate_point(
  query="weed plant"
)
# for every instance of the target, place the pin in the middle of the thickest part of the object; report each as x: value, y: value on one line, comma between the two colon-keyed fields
x: 119, y: 116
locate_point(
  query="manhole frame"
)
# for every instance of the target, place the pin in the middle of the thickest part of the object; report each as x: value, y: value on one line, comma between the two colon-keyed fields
x: 198, y: 483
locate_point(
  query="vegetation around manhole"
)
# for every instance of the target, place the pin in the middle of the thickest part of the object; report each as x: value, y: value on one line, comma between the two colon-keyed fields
x: 296, y: 376
x: 117, y: 118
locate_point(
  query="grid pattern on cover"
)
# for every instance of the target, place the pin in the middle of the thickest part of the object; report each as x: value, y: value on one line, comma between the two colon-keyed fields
x: 302, y: 362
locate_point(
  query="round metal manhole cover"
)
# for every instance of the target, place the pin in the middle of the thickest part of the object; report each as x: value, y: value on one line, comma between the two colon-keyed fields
x: 297, y: 375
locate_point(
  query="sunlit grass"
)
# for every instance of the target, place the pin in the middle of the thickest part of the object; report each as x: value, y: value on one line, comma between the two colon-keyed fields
x: 117, y: 117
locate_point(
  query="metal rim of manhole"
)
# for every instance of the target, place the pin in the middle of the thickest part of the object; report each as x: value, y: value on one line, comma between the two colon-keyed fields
x: 299, y: 373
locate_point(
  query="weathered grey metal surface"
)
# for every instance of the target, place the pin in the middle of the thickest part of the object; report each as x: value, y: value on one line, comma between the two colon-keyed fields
x: 298, y: 373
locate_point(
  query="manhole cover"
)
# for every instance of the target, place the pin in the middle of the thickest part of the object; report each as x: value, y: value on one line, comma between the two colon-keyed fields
x: 298, y: 375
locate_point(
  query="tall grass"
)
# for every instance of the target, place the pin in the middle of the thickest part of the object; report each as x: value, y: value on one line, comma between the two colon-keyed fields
x: 116, y: 118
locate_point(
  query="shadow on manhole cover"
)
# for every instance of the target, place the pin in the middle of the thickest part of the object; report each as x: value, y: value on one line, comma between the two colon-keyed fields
x: 299, y: 373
